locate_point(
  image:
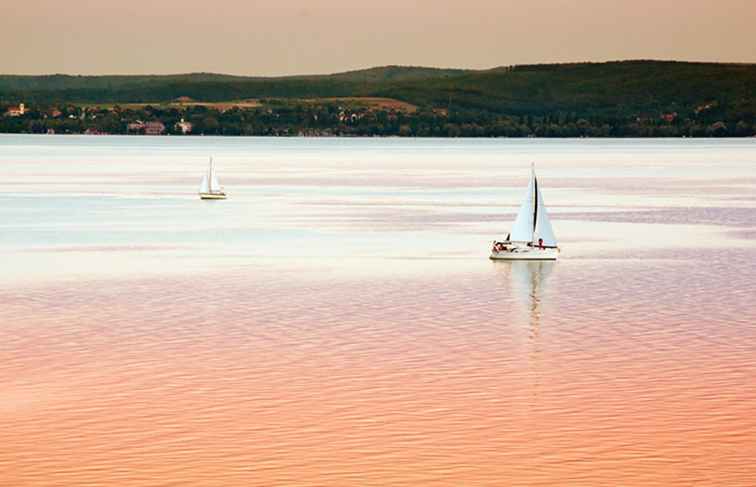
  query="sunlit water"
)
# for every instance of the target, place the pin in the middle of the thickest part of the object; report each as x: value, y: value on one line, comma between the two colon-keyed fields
x: 336, y: 320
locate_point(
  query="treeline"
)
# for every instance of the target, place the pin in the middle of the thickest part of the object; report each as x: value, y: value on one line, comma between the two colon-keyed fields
x: 290, y: 118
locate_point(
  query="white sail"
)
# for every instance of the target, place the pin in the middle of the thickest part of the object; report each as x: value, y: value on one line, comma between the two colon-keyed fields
x: 543, y: 224
x: 204, y: 186
x: 532, y: 222
x: 522, y: 230
x: 210, y: 183
x: 215, y: 186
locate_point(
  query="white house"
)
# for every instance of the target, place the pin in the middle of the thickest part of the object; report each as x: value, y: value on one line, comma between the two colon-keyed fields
x: 184, y: 126
x: 16, y: 111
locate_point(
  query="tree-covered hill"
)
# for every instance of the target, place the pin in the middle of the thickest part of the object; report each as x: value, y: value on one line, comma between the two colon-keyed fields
x: 606, y: 89
x: 204, y: 86
x: 624, y: 98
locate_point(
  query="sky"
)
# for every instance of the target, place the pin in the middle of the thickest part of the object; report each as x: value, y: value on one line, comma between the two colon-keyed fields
x: 284, y: 37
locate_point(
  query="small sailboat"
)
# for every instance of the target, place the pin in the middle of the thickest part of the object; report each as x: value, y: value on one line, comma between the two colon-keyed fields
x: 532, y: 237
x: 210, y: 188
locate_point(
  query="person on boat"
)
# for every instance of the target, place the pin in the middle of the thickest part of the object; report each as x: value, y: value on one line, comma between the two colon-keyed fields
x: 540, y: 243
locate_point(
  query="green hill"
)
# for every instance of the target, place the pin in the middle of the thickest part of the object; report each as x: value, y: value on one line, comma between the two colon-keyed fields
x: 613, y: 98
x: 586, y: 88
x: 614, y: 88
x: 204, y: 86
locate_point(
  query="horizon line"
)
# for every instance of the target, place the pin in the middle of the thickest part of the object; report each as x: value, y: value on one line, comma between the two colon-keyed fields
x: 359, y: 69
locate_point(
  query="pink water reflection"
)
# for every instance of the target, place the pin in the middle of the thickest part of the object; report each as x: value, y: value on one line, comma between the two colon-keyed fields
x: 519, y: 375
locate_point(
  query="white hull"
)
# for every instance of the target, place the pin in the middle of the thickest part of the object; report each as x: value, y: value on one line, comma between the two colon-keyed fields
x: 212, y: 196
x: 526, y: 253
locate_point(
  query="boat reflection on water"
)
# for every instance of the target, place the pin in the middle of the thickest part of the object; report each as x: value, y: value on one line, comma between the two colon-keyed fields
x: 528, y: 297
x: 528, y: 286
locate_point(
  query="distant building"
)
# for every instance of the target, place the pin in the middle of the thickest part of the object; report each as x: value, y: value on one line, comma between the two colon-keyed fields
x: 137, y: 126
x: 154, y: 128
x: 16, y: 111
x: 669, y: 117
x: 147, y: 128
x: 94, y: 131
x: 184, y: 126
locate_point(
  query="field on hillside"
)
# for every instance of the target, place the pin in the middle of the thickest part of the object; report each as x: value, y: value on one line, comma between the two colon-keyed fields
x: 369, y: 102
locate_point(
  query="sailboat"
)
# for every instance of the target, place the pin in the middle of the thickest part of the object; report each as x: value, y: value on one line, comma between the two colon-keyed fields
x: 532, y: 237
x: 210, y: 188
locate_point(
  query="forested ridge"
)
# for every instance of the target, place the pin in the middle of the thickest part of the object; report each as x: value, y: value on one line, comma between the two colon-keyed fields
x: 618, y: 99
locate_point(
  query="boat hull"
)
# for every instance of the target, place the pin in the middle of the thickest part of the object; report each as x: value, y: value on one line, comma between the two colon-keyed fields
x: 212, y: 196
x: 530, y: 253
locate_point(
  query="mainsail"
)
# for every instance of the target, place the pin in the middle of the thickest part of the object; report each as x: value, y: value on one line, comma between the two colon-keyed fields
x: 522, y: 230
x: 215, y: 186
x: 532, y: 220
x: 210, y: 183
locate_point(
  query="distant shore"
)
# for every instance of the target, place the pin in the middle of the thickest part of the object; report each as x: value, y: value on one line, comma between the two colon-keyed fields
x: 614, y: 99
x: 340, y: 117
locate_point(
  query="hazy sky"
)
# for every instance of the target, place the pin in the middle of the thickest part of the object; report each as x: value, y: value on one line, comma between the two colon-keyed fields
x: 320, y: 36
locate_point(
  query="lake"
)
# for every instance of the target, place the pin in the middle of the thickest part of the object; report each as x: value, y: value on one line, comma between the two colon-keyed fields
x: 337, y: 321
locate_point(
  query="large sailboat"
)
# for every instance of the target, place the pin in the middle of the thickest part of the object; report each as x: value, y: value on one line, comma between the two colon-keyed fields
x: 532, y: 237
x: 210, y: 188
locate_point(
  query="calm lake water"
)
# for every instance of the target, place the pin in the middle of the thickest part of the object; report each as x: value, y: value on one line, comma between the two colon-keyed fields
x: 336, y: 321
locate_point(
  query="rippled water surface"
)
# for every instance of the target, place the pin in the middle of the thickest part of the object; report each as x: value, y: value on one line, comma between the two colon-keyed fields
x: 336, y: 320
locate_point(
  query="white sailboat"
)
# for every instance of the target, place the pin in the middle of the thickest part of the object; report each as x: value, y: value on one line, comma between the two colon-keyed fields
x: 210, y: 188
x: 532, y: 237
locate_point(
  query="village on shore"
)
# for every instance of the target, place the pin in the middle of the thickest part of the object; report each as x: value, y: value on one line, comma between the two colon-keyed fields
x: 347, y: 117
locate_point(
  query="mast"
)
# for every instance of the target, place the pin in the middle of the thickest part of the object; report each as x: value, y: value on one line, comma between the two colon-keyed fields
x: 535, y: 200
x: 210, y: 176
x: 535, y: 205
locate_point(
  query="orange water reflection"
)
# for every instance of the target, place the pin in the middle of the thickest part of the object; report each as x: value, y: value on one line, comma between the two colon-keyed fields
x: 534, y: 374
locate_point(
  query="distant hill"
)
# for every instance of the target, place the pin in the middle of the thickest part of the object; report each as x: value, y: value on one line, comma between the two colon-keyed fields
x: 57, y: 83
x: 605, y: 88
x: 622, y: 98
x: 394, y: 73
x: 613, y: 88
x: 203, y: 86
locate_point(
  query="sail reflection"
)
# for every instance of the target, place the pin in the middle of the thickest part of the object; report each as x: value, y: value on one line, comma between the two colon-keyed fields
x: 528, y: 281
x: 527, y: 291
x: 528, y: 286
